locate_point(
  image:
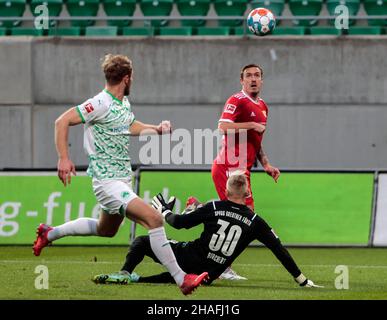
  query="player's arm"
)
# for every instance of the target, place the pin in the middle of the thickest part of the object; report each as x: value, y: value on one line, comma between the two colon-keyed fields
x: 138, y: 128
x: 179, y: 221
x: 266, y: 235
x: 229, y: 121
x: 65, y: 166
x: 189, y: 220
x: 228, y: 126
x: 269, y: 169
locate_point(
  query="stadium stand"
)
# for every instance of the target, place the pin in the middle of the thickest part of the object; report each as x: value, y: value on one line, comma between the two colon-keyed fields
x: 119, y: 8
x: 156, y: 8
x: 193, y: 8
x: 140, y: 31
x: 101, y: 31
x: 11, y: 8
x: 275, y: 6
x: 365, y: 31
x: 54, y: 7
x: 26, y: 32
x: 305, y: 8
x: 376, y: 7
x: 213, y: 31
x: 280, y: 31
x: 135, y: 13
x: 230, y: 8
x: 352, y: 5
x: 178, y: 31
x: 325, y: 30
x: 82, y: 8
x: 62, y: 32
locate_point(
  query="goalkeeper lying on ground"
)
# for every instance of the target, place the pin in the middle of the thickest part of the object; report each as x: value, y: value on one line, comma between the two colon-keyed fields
x: 229, y: 227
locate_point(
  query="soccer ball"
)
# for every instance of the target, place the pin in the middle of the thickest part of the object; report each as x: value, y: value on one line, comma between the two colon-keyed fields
x: 261, y: 21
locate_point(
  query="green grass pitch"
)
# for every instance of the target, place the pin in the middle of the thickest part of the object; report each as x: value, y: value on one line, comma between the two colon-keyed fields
x: 71, y: 269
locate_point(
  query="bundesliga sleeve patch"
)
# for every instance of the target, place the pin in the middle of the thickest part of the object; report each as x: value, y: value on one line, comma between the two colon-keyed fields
x: 230, y: 108
x: 89, y: 107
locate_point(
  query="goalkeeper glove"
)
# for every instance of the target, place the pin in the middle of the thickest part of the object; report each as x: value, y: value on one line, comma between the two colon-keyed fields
x: 158, y: 203
x: 304, y: 282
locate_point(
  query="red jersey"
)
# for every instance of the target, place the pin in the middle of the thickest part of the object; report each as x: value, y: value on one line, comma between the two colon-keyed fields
x: 242, y: 108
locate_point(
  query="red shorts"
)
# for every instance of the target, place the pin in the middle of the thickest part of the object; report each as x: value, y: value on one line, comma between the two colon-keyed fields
x: 220, y: 174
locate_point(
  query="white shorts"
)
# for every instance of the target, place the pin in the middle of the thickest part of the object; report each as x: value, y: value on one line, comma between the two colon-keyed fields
x: 113, y: 195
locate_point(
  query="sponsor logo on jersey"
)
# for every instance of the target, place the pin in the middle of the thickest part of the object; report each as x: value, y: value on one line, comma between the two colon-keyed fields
x: 252, y: 114
x: 230, y: 108
x: 89, y: 107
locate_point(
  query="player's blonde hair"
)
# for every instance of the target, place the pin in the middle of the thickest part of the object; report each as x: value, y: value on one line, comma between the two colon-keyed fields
x: 115, y: 67
x: 237, y: 184
x: 251, y: 66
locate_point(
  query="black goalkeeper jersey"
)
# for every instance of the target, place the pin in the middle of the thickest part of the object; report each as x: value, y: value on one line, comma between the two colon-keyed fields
x: 228, y: 229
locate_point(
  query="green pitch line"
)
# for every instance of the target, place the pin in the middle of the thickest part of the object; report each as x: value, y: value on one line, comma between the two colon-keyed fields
x: 71, y: 269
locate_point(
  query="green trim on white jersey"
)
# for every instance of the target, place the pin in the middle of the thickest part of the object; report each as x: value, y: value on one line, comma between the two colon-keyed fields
x: 80, y: 114
x: 113, y: 97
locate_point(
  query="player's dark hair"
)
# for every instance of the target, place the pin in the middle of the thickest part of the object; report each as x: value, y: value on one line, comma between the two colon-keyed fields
x: 115, y: 67
x: 252, y: 66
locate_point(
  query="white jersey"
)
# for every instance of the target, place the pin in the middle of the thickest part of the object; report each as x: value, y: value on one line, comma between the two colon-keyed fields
x: 106, y: 135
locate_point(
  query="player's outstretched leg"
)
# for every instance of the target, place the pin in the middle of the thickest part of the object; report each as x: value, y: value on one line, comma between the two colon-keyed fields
x: 192, y: 281
x: 41, y: 239
x: 149, y: 218
x: 106, y: 226
x: 121, y: 277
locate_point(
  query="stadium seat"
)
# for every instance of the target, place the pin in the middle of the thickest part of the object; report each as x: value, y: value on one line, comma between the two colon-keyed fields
x: 230, y: 8
x: 193, y: 8
x: 153, y: 8
x: 26, y: 32
x: 82, y: 8
x: 352, y: 5
x: 365, y: 31
x: 320, y: 31
x: 376, y: 7
x: 288, y: 31
x: 141, y: 31
x: 54, y: 7
x: 179, y: 31
x: 69, y: 31
x: 11, y: 8
x: 110, y: 31
x: 240, y: 31
x: 305, y: 8
x: 119, y: 8
x: 275, y: 6
x: 3, y: 31
x: 216, y: 31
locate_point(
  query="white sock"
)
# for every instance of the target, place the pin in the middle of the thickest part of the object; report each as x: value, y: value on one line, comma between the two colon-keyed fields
x: 163, y: 251
x: 79, y: 227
